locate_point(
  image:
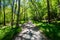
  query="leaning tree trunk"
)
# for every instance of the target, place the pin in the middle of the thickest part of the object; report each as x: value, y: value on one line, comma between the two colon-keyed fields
x: 4, y: 11
x: 48, y: 7
x: 17, y: 24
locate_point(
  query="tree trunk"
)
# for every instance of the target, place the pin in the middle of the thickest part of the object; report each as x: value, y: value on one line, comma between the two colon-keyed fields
x: 0, y: 9
x: 12, y: 13
x: 59, y: 9
x: 17, y: 24
x: 48, y: 7
x: 0, y: 6
x: 4, y: 11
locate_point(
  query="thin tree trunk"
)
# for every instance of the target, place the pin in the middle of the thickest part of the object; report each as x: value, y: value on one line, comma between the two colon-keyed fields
x: 24, y: 15
x: 59, y: 8
x: 0, y: 9
x: 4, y: 11
x: 17, y: 24
x: 48, y: 7
x: 0, y: 6
x: 12, y: 13
x: 24, y: 12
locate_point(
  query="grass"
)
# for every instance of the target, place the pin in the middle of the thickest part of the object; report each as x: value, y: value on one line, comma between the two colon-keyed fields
x: 52, y: 31
x: 8, y: 32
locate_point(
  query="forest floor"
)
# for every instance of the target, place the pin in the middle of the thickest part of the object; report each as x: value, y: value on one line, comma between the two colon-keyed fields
x: 30, y: 32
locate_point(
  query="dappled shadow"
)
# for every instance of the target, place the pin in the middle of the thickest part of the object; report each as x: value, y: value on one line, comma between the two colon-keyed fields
x: 30, y: 35
x: 30, y: 32
x: 35, y: 29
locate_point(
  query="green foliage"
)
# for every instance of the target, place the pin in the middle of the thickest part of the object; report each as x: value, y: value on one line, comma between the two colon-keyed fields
x: 35, y: 10
x: 7, y: 32
x: 52, y: 31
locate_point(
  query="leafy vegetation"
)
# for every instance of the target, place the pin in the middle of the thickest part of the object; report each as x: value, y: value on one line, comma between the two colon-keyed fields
x: 52, y: 30
x: 45, y: 14
x: 8, y: 32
